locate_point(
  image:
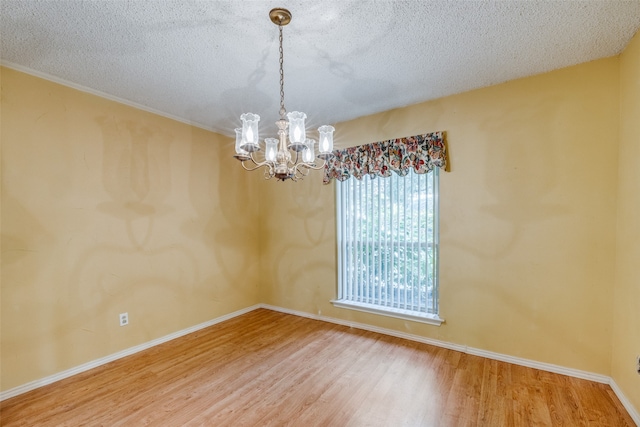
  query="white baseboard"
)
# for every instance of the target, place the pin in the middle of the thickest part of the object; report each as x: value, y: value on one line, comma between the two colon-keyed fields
x: 633, y: 412
x: 549, y: 367
x: 438, y: 343
x: 110, y: 358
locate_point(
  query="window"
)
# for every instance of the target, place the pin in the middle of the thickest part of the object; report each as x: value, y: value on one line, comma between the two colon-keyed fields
x: 388, y: 225
x: 388, y: 245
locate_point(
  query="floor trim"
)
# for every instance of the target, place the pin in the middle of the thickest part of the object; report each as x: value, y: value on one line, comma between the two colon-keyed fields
x: 635, y: 415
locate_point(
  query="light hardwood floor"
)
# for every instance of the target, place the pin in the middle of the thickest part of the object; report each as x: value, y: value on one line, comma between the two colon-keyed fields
x: 269, y: 369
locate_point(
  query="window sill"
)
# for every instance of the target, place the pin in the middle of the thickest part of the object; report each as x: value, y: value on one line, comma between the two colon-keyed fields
x: 431, y: 319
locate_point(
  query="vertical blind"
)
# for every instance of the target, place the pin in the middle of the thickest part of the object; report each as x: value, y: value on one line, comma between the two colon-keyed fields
x: 388, y: 242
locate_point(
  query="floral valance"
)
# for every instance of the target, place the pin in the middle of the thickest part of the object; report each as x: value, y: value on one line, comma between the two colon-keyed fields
x: 421, y: 153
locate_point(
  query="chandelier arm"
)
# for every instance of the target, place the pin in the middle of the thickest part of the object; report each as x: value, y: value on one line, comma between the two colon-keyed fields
x: 252, y: 161
x: 265, y: 162
x: 295, y: 162
x: 250, y: 169
x: 316, y: 167
x: 307, y: 166
x: 298, y: 168
x: 268, y: 173
x: 297, y: 174
x: 312, y: 165
x: 301, y: 173
x: 257, y: 164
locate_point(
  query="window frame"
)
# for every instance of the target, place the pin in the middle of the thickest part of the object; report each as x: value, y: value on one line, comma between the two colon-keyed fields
x: 429, y: 318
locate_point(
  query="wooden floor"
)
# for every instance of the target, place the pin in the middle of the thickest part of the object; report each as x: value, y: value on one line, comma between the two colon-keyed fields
x: 271, y: 369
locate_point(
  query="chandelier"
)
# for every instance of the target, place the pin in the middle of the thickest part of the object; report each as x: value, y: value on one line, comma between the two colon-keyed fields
x: 292, y: 154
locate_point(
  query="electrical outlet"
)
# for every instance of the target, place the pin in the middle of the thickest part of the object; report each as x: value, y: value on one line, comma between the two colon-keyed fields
x: 124, y: 319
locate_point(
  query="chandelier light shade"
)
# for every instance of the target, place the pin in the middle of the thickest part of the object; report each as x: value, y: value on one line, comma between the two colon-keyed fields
x: 297, y: 133
x: 240, y: 151
x: 309, y: 153
x: 292, y: 154
x: 250, y: 132
x: 326, y: 141
x: 271, y: 150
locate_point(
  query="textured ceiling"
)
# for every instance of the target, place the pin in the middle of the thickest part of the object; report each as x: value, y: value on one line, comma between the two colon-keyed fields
x: 206, y: 62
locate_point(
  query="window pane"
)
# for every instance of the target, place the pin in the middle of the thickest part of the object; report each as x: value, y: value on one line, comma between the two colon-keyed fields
x: 388, y: 242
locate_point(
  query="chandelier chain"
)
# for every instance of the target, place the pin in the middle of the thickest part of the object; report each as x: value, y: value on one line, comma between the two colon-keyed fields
x: 283, y: 111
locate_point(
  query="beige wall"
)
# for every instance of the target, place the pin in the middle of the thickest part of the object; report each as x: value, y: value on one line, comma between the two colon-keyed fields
x: 527, y: 219
x: 109, y: 209
x: 626, y: 325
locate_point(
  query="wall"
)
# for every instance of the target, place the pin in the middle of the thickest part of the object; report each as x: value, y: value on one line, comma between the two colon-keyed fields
x: 109, y: 209
x: 626, y: 331
x: 527, y: 219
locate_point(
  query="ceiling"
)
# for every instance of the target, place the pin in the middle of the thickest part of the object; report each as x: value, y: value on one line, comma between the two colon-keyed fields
x: 206, y: 62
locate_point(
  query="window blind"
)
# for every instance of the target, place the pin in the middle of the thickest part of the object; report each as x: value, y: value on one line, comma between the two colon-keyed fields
x: 388, y: 242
